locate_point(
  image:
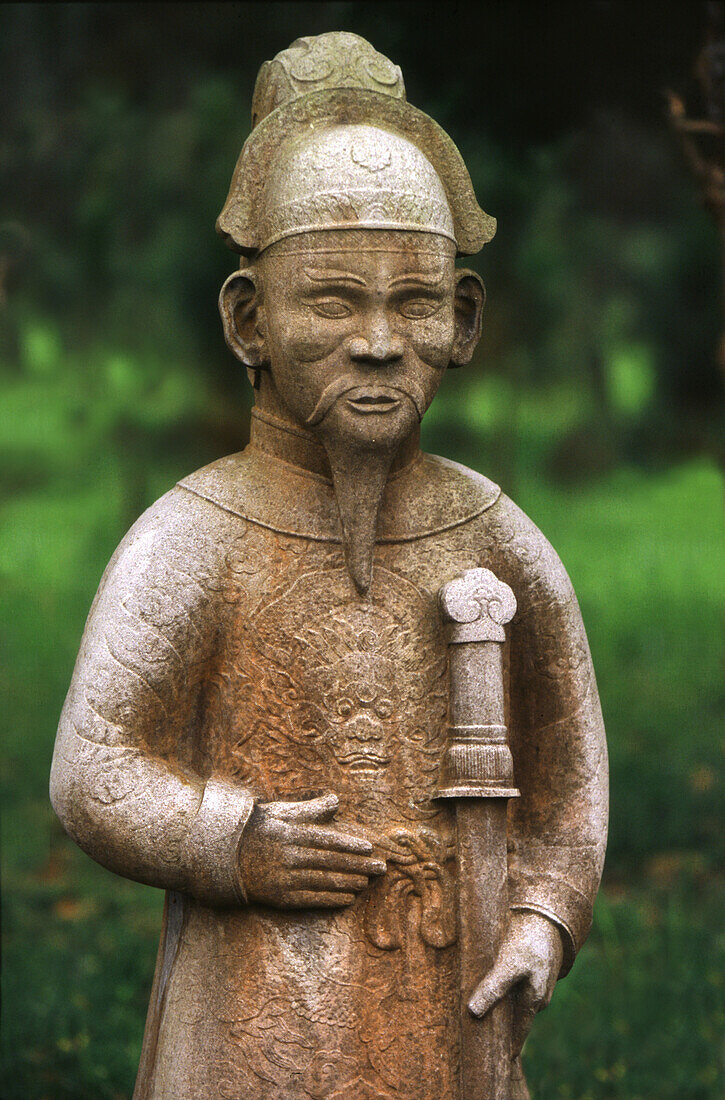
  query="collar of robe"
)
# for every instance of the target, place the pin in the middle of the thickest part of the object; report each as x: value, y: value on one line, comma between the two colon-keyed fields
x: 281, y: 481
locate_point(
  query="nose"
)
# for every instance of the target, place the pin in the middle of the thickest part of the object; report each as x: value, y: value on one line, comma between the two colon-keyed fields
x: 364, y: 729
x: 377, y: 344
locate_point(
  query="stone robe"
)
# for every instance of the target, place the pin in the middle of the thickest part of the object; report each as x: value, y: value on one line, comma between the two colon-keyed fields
x: 228, y: 658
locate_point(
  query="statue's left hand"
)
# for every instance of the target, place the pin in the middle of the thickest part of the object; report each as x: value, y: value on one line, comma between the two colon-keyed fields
x: 528, y: 965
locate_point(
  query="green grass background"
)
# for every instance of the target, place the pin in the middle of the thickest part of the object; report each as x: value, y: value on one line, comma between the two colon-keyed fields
x: 641, y: 1015
x: 595, y: 400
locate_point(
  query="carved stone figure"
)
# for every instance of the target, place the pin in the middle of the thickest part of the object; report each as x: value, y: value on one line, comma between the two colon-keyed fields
x: 258, y: 721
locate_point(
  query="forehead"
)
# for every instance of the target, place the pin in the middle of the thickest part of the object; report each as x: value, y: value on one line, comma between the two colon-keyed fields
x: 364, y: 252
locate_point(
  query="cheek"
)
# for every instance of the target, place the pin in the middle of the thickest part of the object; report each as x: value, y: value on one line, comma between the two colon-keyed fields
x: 299, y: 335
x: 432, y: 339
x: 303, y: 359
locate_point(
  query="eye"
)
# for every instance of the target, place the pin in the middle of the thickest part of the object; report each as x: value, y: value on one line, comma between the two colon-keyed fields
x: 331, y: 308
x: 344, y: 708
x: 384, y: 708
x: 417, y: 309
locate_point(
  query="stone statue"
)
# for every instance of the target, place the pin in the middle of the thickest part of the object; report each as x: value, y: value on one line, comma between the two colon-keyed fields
x: 259, y: 717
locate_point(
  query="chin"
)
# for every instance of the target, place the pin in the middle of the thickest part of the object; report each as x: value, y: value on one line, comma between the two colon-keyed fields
x: 384, y: 431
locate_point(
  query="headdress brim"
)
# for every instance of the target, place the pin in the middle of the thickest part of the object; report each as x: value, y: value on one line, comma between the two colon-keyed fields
x: 239, y: 220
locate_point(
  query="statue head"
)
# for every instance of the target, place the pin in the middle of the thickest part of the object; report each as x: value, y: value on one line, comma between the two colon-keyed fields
x: 349, y: 207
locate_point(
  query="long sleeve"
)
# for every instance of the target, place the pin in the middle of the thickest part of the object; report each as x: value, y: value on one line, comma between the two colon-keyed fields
x: 128, y: 780
x: 558, y: 826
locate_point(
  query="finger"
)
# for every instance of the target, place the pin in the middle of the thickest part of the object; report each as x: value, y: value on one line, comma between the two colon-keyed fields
x: 497, y: 983
x: 346, y: 862
x: 322, y: 808
x: 315, y: 836
x: 326, y: 881
x: 317, y: 899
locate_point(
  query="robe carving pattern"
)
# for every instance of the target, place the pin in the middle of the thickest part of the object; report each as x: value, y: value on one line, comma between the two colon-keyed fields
x: 228, y: 658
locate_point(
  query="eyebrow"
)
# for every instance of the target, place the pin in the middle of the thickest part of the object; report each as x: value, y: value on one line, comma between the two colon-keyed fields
x: 323, y: 276
x: 417, y: 279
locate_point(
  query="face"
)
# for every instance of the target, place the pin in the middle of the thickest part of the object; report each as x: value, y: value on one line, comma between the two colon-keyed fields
x: 358, y: 328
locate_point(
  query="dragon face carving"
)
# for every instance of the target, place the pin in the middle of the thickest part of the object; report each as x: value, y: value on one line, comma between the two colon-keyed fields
x: 355, y: 667
x: 345, y: 694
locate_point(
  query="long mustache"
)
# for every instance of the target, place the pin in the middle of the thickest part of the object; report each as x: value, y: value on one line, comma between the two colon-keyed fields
x: 347, y: 382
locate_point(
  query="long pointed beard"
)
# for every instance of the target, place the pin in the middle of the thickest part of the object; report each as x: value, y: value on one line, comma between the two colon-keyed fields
x: 359, y: 475
x: 360, y: 461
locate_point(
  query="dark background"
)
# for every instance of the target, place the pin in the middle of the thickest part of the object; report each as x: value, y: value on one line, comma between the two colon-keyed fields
x: 595, y: 399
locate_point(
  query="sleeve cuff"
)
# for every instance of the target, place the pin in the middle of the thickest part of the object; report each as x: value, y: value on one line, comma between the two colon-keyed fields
x: 563, y: 904
x: 566, y: 936
x: 211, y: 849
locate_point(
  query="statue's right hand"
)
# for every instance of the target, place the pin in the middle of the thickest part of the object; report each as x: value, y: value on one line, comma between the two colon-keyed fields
x: 291, y: 859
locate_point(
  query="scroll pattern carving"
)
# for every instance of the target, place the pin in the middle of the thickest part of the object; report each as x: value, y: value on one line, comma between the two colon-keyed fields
x: 370, y: 207
x: 308, y: 65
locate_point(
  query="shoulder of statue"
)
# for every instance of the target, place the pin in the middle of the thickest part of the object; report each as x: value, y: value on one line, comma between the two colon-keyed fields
x: 160, y: 603
x: 179, y: 534
x: 525, y: 558
x: 432, y: 495
x: 175, y: 515
x: 253, y: 485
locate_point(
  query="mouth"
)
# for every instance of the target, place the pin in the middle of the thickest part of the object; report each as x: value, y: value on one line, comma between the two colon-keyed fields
x: 364, y: 762
x: 373, y: 399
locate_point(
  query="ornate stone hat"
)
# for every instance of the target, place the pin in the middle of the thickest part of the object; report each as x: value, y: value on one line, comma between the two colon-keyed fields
x: 336, y: 145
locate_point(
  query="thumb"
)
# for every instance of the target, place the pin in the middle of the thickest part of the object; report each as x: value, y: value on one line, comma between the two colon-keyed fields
x: 492, y: 988
x: 311, y: 810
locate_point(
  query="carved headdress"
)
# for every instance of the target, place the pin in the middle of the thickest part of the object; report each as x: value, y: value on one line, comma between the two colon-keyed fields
x: 335, y: 145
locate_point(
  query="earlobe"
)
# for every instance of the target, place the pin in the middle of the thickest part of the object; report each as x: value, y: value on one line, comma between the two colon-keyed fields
x: 470, y: 296
x: 242, y: 317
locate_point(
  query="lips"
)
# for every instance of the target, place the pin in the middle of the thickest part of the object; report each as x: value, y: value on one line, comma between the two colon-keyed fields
x: 364, y: 762
x: 373, y: 399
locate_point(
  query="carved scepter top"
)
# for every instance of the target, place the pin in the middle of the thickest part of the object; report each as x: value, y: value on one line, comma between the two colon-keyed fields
x: 476, y: 606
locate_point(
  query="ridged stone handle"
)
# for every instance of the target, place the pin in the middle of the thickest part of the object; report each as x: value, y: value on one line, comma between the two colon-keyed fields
x: 476, y: 607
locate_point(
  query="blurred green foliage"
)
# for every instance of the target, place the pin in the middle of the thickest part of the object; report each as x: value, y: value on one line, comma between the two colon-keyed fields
x: 595, y: 400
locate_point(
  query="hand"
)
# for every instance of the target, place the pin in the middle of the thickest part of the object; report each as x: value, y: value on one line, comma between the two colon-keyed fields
x: 291, y: 860
x: 528, y: 963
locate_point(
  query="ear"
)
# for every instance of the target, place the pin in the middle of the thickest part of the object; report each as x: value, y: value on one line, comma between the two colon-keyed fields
x: 470, y: 297
x: 243, y: 318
